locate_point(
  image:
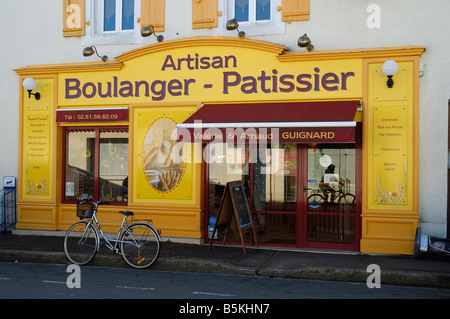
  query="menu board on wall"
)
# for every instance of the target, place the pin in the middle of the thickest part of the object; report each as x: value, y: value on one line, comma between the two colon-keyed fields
x: 36, y: 150
x: 390, y: 161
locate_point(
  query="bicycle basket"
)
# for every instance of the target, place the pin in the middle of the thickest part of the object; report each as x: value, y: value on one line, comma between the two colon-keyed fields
x: 84, y: 209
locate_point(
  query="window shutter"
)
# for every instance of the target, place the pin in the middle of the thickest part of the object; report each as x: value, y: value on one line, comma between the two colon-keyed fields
x: 152, y: 12
x: 294, y: 10
x: 204, y: 14
x: 73, y: 18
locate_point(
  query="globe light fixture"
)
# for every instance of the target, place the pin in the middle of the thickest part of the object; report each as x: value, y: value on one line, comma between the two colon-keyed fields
x: 389, y: 68
x: 29, y: 84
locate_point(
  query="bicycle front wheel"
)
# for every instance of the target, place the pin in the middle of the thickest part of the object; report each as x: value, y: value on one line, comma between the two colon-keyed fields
x: 140, y: 245
x: 81, y: 243
x: 347, y: 203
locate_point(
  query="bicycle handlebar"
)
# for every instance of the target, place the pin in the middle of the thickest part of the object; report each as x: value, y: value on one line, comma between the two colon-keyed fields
x: 100, y: 202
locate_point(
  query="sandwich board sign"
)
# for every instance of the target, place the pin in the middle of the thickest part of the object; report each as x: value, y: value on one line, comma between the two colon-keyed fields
x: 234, y: 204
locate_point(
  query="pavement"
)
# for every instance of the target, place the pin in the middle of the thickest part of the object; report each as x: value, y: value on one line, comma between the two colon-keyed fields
x: 429, y: 270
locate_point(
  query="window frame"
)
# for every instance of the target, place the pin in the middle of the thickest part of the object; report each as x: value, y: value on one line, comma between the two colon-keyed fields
x: 252, y: 28
x: 252, y: 13
x: 118, y: 18
x: 97, y: 130
x: 95, y: 34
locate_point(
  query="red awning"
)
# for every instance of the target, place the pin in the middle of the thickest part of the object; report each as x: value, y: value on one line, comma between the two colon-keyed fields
x: 299, y: 122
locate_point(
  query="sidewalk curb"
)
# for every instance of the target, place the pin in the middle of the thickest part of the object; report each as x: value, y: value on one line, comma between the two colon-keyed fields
x: 423, y: 279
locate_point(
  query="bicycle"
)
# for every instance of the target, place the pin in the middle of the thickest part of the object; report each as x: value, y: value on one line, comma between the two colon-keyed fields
x: 138, y: 242
x: 316, y: 199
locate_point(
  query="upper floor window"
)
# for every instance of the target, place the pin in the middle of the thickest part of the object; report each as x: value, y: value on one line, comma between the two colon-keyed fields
x: 260, y: 17
x: 252, y: 11
x: 113, y: 22
x: 118, y: 15
x: 255, y: 17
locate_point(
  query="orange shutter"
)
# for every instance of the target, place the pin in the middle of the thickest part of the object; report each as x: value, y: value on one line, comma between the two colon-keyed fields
x: 152, y: 12
x: 73, y: 18
x: 204, y: 14
x: 294, y: 10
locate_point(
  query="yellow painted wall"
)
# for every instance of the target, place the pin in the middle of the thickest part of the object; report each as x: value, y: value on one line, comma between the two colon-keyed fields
x: 37, y: 158
x: 176, y: 210
x: 390, y: 202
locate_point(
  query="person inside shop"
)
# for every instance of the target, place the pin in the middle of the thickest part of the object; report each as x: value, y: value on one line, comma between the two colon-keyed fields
x: 327, y: 178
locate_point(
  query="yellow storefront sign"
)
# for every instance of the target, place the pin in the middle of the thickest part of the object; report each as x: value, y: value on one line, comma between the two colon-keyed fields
x: 37, y: 133
x: 391, y: 155
x: 161, y: 85
x: 390, y: 142
x: 36, y: 170
x: 208, y: 74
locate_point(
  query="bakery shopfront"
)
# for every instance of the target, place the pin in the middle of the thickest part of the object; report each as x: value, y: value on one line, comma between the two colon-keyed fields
x: 326, y: 151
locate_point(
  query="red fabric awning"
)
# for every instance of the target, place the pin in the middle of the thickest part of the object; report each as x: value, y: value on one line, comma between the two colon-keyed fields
x: 299, y: 122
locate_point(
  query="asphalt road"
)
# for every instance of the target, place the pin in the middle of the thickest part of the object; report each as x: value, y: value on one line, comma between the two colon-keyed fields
x: 50, y: 281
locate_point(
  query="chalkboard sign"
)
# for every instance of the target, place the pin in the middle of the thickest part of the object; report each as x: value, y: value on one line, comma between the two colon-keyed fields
x: 234, y: 203
x: 240, y: 205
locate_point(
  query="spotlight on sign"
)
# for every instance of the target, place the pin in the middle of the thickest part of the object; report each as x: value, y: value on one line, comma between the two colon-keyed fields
x: 305, y: 42
x: 88, y: 51
x: 148, y: 31
x: 234, y: 25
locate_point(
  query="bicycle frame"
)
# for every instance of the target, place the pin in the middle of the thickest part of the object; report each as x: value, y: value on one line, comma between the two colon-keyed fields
x: 108, y: 240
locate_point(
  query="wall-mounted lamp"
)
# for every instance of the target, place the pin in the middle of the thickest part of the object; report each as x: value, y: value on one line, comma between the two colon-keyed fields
x: 29, y: 84
x: 389, y: 68
x: 88, y: 51
x: 305, y: 42
x: 148, y: 31
x: 234, y: 25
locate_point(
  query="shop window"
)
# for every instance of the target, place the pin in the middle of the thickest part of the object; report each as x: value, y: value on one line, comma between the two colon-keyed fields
x: 96, y: 164
x: 255, y: 17
x: 331, y: 193
x: 272, y: 197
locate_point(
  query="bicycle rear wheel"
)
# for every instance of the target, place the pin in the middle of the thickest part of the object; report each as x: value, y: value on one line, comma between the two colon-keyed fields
x: 315, y: 200
x: 140, y: 245
x: 81, y: 243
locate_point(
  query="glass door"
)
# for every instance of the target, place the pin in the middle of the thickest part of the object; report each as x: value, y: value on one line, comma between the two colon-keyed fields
x: 225, y: 163
x: 331, y: 192
x: 275, y: 195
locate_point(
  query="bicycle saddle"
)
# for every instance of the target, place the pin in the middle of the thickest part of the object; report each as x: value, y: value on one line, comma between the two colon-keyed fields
x: 126, y: 213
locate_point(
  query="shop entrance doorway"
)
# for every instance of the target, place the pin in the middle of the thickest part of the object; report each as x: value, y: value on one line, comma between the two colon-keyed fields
x: 301, y: 195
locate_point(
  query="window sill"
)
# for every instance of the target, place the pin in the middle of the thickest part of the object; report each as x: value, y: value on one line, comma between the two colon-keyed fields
x: 113, y: 38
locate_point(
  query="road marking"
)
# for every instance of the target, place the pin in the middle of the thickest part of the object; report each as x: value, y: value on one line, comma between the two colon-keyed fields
x: 4, y: 278
x: 212, y: 294
x: 140, y: 288
x: 54, y: 282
